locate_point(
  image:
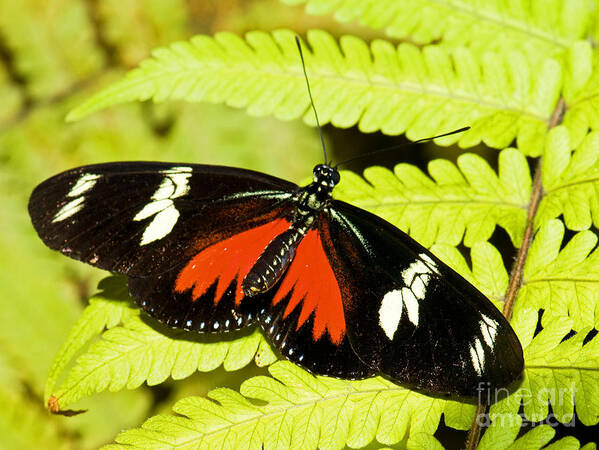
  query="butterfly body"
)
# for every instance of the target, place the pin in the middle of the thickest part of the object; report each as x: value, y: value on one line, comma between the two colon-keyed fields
x: 279, y: 253
x: 336, y: 289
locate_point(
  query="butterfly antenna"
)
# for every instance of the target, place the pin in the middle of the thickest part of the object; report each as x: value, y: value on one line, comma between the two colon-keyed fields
x: 324, y: 150
x: 395, y: 147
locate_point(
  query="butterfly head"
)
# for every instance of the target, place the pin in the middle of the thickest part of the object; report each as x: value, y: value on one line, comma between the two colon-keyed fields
x: 326, y: 176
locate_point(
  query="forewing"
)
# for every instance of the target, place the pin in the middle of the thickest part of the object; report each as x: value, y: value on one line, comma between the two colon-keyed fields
x: 410, y: 316
x: 165, y: 226
x: 141, y: 218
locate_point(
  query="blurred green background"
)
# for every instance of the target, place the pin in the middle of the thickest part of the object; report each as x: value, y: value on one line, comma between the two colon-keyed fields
x: 52, y: 55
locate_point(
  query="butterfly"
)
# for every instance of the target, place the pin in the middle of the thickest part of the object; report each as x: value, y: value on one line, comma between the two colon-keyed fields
x: 336, y: 289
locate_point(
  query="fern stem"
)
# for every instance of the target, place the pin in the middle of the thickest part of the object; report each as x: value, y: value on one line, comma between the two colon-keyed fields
x: 518, y: 269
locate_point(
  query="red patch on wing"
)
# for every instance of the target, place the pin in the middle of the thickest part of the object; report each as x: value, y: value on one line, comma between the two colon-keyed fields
x: 311, y: 281
x: 227, y: 260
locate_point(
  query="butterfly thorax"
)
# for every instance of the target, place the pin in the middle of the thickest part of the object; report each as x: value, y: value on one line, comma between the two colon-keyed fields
x: 279, y: 253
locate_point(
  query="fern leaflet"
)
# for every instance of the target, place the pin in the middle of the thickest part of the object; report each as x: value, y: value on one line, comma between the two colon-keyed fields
x: 537, y: 27
x: 300, y: 411
x: 562, y: 282
x: 570, y: 181
x: 105, y: 310
x: 303, y: 411
x: 472, y: 195
x: 134, y: 352
x: 502, y: 434
x: 394, y: 90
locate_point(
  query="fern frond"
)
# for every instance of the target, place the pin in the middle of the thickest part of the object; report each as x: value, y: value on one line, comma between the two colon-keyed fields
x: 395, y: 90
x: 297, y: 410
x: 134, y: 352
x: 472, y: 195
x: 562, y: 282
x: 570, y: 181
x: 106, y: 310
x: 538, y: 27
x: 558, y: 372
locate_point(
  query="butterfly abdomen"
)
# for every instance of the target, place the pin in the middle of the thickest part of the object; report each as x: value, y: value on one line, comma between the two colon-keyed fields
x: 274, y: 260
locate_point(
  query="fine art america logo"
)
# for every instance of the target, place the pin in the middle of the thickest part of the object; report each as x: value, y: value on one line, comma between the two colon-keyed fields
x: 559, y: 399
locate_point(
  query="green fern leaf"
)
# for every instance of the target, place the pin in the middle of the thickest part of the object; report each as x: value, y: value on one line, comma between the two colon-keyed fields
x: 423, y: 441
x: 458, y: 415
x: 134, y: 352
x: 557, y: 372
x: 105, y: 310
x: 570, y: 181
x: 306, y: 411
x: 562, y: 282
x: 569, y: 443
x: 299, y: 411
x: 539, y: 27
x: 380, y: 88
x: 473, y: 196
x: 503, y: 431
x: 589, y: 446
x: 538, y: 437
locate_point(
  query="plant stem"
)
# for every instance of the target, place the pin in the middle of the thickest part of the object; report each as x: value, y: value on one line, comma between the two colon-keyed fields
x: 518, y: 269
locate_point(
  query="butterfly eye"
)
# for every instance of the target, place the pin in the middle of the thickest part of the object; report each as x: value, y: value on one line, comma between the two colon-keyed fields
x: 336, y: 177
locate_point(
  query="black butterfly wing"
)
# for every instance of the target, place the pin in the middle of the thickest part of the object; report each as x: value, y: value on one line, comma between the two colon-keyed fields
x: 138, y: 218
x: 411, y: 317
x: 149, y: 220
x: 304, y: 314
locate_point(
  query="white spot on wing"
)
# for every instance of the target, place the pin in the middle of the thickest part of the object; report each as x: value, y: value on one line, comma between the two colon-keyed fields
x: 162, y: 225
x: 477, y: 355
x: 153, y: 208
x: 411, y: 303
x: 175, y: 184
x: 419, y: 285
x: 390, y: 312
x: 417, y: 276
x: 81, y: 186
x: 414, y: 269
x: 488, y: 328
x: 69, y: 209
